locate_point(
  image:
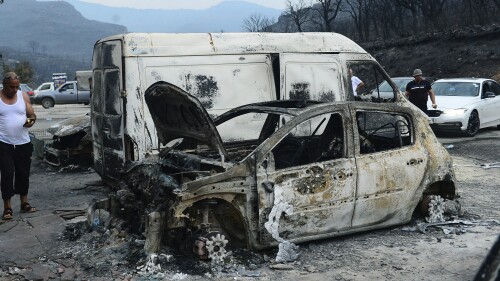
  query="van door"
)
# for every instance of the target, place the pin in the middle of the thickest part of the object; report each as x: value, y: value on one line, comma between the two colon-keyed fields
x: 311, y: 76
x: 107, y: 124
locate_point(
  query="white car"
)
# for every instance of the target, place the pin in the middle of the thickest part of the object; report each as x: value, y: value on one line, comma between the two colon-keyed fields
x: 465, y: 105
x: 47, y: 86
x: 385, y: 89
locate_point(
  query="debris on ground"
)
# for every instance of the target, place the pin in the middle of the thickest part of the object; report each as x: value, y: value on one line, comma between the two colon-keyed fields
x: 460, y: 226
x: 490, y: 165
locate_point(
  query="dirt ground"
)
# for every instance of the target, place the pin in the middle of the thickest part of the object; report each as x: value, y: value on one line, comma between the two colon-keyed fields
x: 452, y: 252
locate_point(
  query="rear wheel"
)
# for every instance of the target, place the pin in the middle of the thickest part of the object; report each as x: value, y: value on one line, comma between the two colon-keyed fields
x: 473, y: 124
x: 432, y: 208
x: 47, y: 103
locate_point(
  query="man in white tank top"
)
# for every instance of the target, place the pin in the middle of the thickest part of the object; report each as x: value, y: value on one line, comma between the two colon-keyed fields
x: 16, y: 116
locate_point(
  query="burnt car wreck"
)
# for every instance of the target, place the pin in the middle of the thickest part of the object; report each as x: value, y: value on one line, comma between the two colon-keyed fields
x: 72, y: 143
x: 280, y: 172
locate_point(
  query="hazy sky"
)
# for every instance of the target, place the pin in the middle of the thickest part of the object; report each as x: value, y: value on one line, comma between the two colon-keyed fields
x: 180, y: 4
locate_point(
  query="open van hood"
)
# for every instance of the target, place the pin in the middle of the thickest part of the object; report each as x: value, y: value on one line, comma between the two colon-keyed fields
x: 177, y: 114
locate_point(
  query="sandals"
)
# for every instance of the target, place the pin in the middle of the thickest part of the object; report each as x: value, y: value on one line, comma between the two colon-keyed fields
x: 7, y: 214
x: 27, y: 208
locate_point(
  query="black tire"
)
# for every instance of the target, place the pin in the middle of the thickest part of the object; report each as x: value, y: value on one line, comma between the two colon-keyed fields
x: 47, y: 103
x: 473, y: 124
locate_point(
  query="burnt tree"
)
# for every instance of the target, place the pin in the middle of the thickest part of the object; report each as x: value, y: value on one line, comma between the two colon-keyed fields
x: 327, y: 11
x: 298, y: 11
x: 258, y: 23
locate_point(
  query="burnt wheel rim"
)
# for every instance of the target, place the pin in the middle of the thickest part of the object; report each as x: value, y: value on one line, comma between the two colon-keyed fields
x: 473, y: 125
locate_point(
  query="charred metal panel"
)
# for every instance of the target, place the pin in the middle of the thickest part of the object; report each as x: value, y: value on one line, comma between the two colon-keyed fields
x: 300, y: 91
x: 107, y: 55
x: 178, y: 115
x: 386, y: 182
x: 107, y: 126
x: 139, y: 126
x: 72, y: 142
x: 320, y: 195
x: 203, y: 87
x: 311, y: 76
x: 71, y: 126
x: 222, y: 83
x: 156, y: 44
x: 113, y: 103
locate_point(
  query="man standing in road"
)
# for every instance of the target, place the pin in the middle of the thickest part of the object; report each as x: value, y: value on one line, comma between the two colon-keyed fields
x: 16, y: 116
x: 418, y: 91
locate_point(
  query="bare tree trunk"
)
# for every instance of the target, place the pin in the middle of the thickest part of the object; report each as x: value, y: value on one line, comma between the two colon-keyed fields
x: 328, y: 12
x: 298, y: 12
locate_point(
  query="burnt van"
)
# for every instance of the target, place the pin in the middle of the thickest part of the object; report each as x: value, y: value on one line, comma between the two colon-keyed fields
x: 223, y: 71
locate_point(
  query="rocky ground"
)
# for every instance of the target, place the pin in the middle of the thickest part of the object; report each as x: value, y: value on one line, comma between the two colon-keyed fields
x: 83, y: 251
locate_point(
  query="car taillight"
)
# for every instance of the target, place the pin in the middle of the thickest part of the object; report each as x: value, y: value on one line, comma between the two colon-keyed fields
x: 30, y: 93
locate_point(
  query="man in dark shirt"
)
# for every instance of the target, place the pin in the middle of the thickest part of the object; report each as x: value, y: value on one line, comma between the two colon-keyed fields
x: 418, y: 91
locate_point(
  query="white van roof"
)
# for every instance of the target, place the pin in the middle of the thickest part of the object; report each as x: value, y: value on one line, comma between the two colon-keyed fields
x: 179, y: 44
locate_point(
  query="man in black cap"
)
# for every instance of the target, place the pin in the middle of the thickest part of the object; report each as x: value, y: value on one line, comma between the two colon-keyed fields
x: 418, y: 91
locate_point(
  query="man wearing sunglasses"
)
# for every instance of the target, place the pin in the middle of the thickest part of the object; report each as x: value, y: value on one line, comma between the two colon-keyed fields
x: 16, y: 116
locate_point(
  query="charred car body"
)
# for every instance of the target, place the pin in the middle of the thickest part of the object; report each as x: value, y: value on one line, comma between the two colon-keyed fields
x: 72, y: 143
x: 222, y: 70
x: 264, y: 173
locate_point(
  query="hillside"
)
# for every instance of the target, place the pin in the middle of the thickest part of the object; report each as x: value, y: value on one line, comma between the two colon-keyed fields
x: 51, y: 28
x: 467, y: 52
x: 227, y: 16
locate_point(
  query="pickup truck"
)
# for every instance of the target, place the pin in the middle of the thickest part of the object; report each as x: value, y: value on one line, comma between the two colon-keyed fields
x: 67, y: 93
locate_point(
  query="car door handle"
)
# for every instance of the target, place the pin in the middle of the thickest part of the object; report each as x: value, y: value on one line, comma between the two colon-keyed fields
x: 414, y: 162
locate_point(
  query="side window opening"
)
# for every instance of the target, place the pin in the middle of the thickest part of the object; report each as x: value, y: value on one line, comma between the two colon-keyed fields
x: 486, y: 88
x: 495, y: 88
x: 368, y: 83
x: 318, y: 139
x: 382, y: 131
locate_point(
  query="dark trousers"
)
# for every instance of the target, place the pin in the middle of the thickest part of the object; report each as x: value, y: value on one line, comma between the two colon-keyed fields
x: 15, y: 165
x: 422, y: 107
